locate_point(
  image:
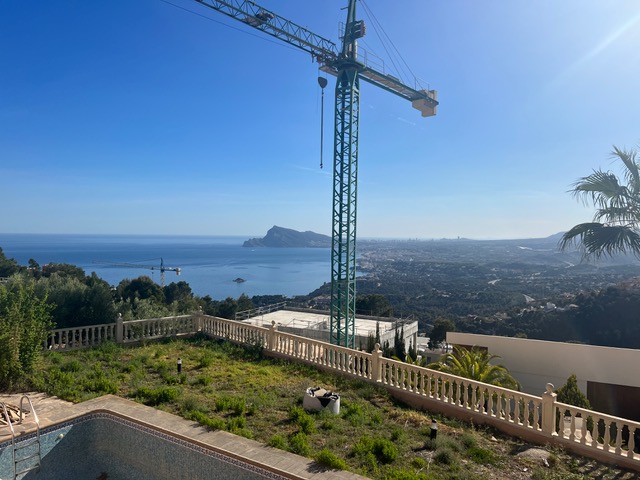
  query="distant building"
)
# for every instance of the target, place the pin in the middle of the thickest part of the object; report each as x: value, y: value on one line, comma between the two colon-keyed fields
x: 316, y: 324
x: 606, y: 375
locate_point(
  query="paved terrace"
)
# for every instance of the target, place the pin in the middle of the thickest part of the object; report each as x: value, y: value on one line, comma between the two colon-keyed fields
x: 52, y: 410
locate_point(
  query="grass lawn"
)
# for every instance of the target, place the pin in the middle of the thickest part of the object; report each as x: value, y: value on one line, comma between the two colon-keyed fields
x: 224, y: 386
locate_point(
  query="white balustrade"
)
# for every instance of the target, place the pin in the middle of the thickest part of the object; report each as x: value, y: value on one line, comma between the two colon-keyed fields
x: 540, y: 419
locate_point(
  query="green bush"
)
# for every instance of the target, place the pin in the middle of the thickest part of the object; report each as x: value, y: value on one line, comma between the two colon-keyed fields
x: 278, y: 441
x: 397, y: 434
x: 445, y: 456
x: 206, y: 360
x: 236, y: 423
x: 354, y: 413
x: 404, y: 475
x: 72, y: 366
x: 202, y: 419
x: 481, y: 456
x: 468, y: 439
x: 299, y: 444
x: 157, y: 396
x: 382, y: 449
x: 301, y: 418
x: 329, y: 459
x: 203, y: 380
x: 191, y: 404
x: 25, y: 322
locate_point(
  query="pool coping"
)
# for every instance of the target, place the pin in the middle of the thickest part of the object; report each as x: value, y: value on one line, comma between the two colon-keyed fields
x: 274, y: 460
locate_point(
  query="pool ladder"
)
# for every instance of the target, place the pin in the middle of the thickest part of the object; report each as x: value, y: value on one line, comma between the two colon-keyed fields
x: 19, y: 463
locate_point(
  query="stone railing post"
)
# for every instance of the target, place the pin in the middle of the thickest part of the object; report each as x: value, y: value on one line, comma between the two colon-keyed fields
x: 549, y: 410
x: 376, y: 363
x: 200, y: 320
x: 119, y: 329
x: 271, y: 340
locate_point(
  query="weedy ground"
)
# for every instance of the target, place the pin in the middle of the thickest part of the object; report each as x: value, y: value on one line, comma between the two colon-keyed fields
x: 224, y: 386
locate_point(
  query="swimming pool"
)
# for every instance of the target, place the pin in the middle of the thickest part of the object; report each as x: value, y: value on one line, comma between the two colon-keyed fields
x: 103, y: 446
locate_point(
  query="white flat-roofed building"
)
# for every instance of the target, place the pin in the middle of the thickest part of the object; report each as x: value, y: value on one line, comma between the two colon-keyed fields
x: 316, y: 324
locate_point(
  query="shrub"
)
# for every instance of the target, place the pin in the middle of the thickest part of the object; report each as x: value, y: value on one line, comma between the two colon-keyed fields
x: 157, y: 396
x: 191, y: 404
x: 299, y: 444
x: 278, y: 441
x: 445, y: 456
x: 354, y: 414
x: 303, y: 420
x: 469, y: 440
x: 329, y: 459
x: 405, y: 475
x: 236, y: 423
x: 203, y: 380
x: 206, y: 360
x: 382, y: 449
x: 71, y: 366
x: 25, y: 321
x: 202, y: 419
x: 481, y: 456
x: 397, y: 434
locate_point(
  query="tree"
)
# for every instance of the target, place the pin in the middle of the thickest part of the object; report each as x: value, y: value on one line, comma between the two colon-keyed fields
x: 141, y: 288
x: 63, y: 270
x: 244, y: 303
x: 228, y: 308
x: 374, y: 304
x: 8, y: 266
x: 25, y: 321
x: 616, y: 222
x: 570, y: 393
x: 475, y: 364
x: 438, y: 333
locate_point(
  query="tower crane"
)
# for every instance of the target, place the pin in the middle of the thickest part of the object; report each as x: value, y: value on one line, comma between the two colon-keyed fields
x: 162, y: 268
x: 345, y: 64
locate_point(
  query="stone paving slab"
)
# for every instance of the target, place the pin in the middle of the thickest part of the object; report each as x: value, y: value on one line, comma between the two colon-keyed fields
x: 52, y: 410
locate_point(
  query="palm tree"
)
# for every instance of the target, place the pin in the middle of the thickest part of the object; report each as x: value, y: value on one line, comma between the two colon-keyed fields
x: 476, y: 365
x: 615, y: 226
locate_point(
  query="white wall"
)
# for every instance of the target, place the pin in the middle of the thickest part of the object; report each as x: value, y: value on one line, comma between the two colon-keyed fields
x: 534, y: 363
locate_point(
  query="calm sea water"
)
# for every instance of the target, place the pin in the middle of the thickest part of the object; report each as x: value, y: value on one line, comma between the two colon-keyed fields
x: 208, y: 264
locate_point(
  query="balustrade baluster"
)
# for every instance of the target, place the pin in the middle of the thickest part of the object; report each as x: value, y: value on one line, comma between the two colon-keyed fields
x: 572, y: 426
x: 631, y: 444
x: 584, y: 429
x: 607, y: 435
x: 618, y: 439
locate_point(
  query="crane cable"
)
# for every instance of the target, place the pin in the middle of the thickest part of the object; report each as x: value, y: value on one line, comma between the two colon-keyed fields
x: 384, y: 40
x: 322, y: 81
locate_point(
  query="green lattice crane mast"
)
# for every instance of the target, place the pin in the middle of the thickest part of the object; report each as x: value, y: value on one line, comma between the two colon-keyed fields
x: 345, y: 64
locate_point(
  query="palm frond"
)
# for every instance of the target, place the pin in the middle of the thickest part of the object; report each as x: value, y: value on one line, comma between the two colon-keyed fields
x: 597, y: 239
x: 600, y: 188
x: 632, y: 169
x: 618, y: 215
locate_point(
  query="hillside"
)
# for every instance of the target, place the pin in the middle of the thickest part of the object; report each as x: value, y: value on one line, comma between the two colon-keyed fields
x: 279, y: 237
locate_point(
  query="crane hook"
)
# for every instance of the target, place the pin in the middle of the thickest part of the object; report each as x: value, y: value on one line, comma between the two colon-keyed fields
x: 323, y: 83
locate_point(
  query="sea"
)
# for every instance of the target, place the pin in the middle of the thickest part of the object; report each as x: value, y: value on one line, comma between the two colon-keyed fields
x: 209, y: 264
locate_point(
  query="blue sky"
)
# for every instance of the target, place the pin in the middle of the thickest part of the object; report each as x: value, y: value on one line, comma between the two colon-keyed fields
x: 148, y: 117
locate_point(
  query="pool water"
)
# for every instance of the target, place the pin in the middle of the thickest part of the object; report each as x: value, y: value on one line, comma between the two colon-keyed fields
x: 102, y: 446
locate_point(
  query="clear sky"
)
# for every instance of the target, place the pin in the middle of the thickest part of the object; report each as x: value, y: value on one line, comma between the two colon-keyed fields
x: 148, y: 117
